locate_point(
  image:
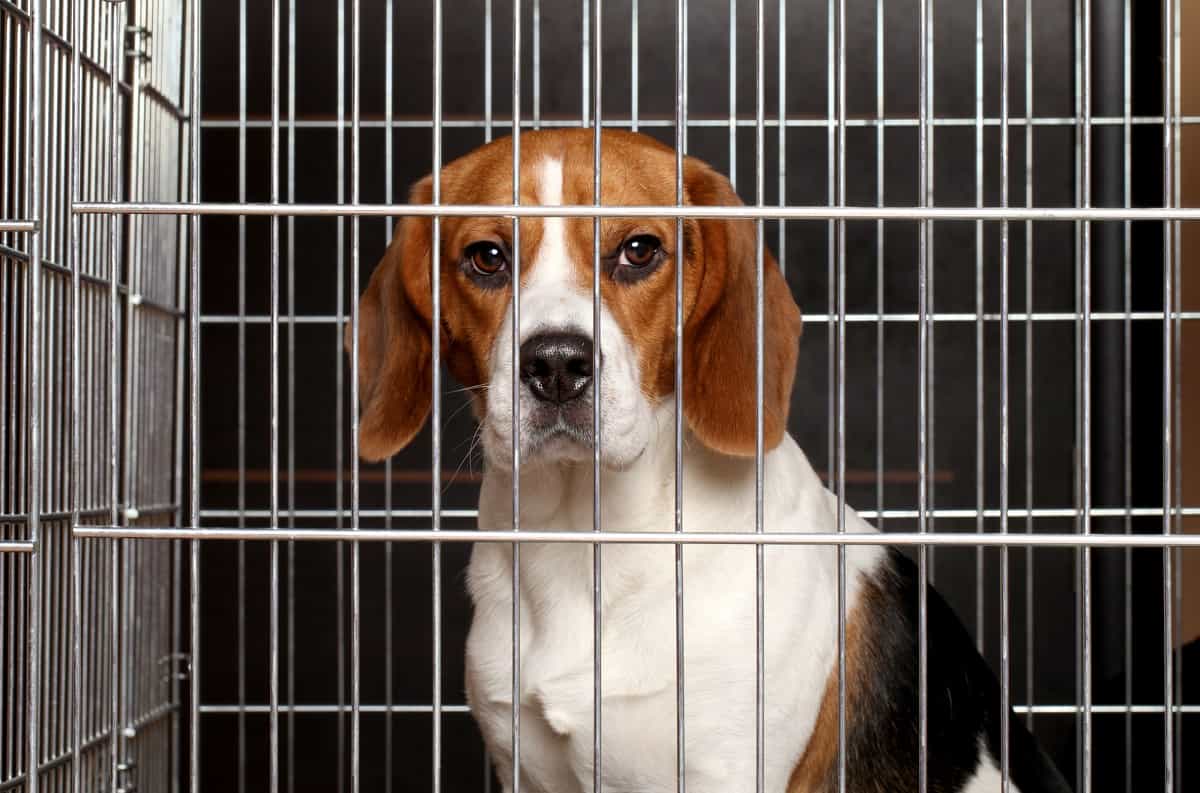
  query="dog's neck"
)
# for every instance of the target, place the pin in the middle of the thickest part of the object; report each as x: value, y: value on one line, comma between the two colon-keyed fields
x: 718, y: 490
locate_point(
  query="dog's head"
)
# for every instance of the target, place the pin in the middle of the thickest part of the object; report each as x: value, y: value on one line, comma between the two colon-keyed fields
x: 557, y: 385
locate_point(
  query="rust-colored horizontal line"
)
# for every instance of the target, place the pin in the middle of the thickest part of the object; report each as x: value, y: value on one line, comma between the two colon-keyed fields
x: 854, y: 476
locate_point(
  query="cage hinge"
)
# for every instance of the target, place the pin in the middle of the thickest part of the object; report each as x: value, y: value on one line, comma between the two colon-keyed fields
x: 180, y: 666
x: 139, y: 35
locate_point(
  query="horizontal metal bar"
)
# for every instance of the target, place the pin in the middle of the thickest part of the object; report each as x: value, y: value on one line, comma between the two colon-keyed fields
x: 18, y: 225
x: 812, y: 122
x: 585, y: 211
x: 332, y: 709
x: 135, y: 511
x: 16, y: 546
x: 866, y: 514
x: 355, y: 534
x: 1013, y: 317
x: 1047, y: 710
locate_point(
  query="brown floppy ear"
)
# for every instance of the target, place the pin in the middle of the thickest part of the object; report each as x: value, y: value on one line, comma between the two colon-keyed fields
x: 395, y: 367
x: 718, y: 346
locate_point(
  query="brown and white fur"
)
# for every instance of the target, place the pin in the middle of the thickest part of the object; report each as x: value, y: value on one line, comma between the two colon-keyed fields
x: 637, y: 487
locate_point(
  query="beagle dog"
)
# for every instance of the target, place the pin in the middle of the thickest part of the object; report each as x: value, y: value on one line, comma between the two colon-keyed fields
x: 635, y: 385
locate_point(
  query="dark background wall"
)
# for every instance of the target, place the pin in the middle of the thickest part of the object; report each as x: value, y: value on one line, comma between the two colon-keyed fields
x: 396, y: 584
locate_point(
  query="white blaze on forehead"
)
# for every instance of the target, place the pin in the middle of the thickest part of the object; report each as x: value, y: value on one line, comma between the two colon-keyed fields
x: 551, y: 272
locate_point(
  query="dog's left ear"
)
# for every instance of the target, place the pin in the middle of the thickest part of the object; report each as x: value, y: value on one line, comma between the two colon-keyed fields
x: 719, y: 337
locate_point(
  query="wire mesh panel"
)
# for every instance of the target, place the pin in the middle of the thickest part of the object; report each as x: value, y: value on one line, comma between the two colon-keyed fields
x: 975, y: 204
x: 90, y: 96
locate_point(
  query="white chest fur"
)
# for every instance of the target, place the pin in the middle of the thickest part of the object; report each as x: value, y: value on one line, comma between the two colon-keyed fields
x: 638, y: 630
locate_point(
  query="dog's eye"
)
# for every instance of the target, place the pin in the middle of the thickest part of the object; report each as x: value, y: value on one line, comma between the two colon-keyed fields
x: 640, y: 251
x: 486, y: 258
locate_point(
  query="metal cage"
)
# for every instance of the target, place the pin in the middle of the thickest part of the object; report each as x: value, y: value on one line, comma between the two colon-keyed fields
x: 984, y: 221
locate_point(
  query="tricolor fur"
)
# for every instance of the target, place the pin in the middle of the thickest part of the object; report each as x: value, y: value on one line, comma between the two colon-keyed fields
x: 637, y: 484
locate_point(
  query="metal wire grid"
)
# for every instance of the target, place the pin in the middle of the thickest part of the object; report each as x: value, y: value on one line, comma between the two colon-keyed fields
x: 149, y: 208
x: 91, y: 363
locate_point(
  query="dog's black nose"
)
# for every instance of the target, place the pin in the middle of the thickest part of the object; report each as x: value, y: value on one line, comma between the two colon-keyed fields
x: 557, y: 367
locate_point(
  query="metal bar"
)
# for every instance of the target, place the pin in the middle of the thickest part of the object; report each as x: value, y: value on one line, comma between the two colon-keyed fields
x: 436, y: 397
x: 681, y: 41
x: 597, y: 363
x: 701, y: 121
x: 924, y: 36
x: 273, y: 601
x: 927, y: 213
x: 30, y: 226
x: 516, y: 400
x: 858, y: 317
x: 193, y: 89
x: 1005, y: 670
x: 760, y: 651
x: 16, y: 546
x: 1168, y: 449
x: 839, y: 459
x: 463, y: 709
x: 916, y: 539
x: 34, y: 165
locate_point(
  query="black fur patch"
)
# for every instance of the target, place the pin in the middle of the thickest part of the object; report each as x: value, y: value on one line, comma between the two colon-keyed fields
x: 963, y: 698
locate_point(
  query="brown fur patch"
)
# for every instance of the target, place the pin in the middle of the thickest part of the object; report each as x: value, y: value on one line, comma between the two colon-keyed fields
x: 816, y: 771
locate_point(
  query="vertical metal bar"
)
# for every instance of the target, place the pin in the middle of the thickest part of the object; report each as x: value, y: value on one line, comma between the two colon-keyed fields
x: 922, y: 401
x: 194, y: 397
x: 241, y: 400
x: 597, y: 580
x: 389, y: 666
x: 291, y: 386
x: 760, y: 152
x: 535, y: 46
x: 273, y: 727
x: 339, y: 461
x: 831, y: 230
x: 680, y: 247
x: 840, y: 422
x: 516, y: 400
x: 356, y: 548
x: 1005, y: 671
x: 76, y: 496
x: 1029, y: 569
x: 1177, y: 351
x: 980, y: 417
x: 634, y: 57
x: 733, y: 93
x: 114, y: 354
x: 1085, y: 299
x: 1168, y: 376
x: 880, y: 134
x: 1127, y: 400
x: 487, y: 71
x: 436, y: 419
x: 781, y: 23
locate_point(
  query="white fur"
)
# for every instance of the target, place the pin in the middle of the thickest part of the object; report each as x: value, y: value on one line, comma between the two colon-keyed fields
x: 986, y: 778
x: 638, y: 622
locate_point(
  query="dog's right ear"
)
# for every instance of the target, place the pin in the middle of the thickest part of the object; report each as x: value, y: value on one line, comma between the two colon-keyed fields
x: 395, y: 366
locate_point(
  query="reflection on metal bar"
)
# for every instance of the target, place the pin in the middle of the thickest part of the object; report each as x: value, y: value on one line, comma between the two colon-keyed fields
x: 519, y: 536
x: 610, y: 211
x: 887, y: 514
x: 809, y: 319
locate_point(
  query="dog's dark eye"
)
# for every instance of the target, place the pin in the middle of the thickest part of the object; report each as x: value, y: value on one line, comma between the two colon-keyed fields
x: 485, y: 258
x: 640, y: 251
